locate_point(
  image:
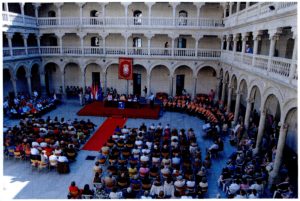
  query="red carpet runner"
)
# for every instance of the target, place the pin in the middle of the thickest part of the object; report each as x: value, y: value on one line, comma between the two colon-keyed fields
x: 103, y: 133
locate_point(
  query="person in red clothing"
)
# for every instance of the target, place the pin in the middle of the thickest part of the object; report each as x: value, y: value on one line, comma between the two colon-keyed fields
x: 74, y: 191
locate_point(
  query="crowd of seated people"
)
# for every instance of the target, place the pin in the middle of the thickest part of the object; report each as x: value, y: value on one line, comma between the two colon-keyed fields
x: 77, y: 193
x: 24, y: 105
x: 152, y: 162
x: 73, y: 91
x: 246, y: 174
x: 203, y: 107
x: 122, y: 97
x: 46, y: 142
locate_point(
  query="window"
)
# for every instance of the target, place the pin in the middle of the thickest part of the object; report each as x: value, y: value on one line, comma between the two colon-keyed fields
x: 51, y: 13
x: 137, y: 14
x: 137, y: 42
x: 95, y: 41
x: 183, y: 17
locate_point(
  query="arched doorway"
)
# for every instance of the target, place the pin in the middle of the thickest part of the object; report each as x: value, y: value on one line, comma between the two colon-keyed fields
x: 93, y: 75
x: 73, y: 76
x: 137, y: 14
x: 183, y: 80
x: 22, y: 85
x: 8, y: 88
x: 241, y: 108
x: 159, y: 79
x: 232, y: 97
x: 139, y: 79
x: 255, y: 99
x: 35, y: 78
x: 183, y: 17
x: 53, y: 78
x: 206, y: 80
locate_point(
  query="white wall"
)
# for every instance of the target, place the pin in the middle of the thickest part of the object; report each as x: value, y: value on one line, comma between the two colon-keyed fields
x: 73, y: 75
x: 159, y: 41
x: 209, y: 43
x: 206, y: 81
x: 71, y: 40
x: 88, y: 7
x: 114, y: 81
x: 159, y: 80
x: 44, y: 9
x: 87, y: 40
x: 141, y: 6
x: 115, y: 40
x: 211, y: 11
x: 55, y: 80
x: 143, y: 72
x: 188, y: 81
x: 115, y: 9
x: 190, y: 42
x: 70, y: 10
x: 190, y: 8
x: 161, y: 9
x: 265, y: 46
x: 144, y: 40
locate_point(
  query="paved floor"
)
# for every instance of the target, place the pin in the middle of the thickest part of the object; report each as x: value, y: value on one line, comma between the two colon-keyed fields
x: 22, y: 183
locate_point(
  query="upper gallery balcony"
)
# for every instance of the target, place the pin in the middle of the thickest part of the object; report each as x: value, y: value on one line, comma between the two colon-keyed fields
x: 115, y: 14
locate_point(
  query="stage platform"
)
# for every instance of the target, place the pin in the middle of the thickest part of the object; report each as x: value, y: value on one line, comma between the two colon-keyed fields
x: 97, y: 109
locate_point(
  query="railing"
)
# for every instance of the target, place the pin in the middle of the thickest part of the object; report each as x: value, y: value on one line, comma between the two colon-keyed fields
x: 17, y: 19
x: 92, y: 21
x: 185, y: 21
x: 137, y: 51
x: 137, y: 21
x: 161, y: 51
x: 114, y: 21
x: 184, y: 52
x: 160, y: 21
x: 247, y: 59
x: 295, y: 77
x: 19, y: 51
x: 206, y: 22
x: 50, y: 50
x: 258, y: 11
x: 93, y: 50
x: 70, y: 21
x: 6, y: 52
x: 209, y: 53
x: 238, y: 56
x: 33, y: 50
x: 261, y: 62
x: 115, y: 51
x: 48, y: 21
x: 280, y: 66
x: 72, y: 50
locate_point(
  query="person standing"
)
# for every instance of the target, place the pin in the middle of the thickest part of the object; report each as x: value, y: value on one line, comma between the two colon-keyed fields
x: 145, y: 91
x: 151, y: 98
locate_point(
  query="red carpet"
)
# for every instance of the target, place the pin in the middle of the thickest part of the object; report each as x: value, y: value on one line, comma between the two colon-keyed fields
x: 98, y: 109
x: 103, y: 133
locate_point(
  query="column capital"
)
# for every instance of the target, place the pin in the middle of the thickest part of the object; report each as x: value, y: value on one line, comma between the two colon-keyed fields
x: 81, y: 34
x: 80, y: 4
x: 22, y: 4
x: 59, y: 34
x: 228, y: 38
x: 245, y: 35
x: 126, y: 35
x: 197, y: 36
x: 173, y: 35
x: 37, y: 5
x: 149, y: 35
x: 9, y: 35
x: 199, y: 4
x: 174, y: 4
x: 103, y: 34
x: 126, y: 4
x: 25, y: 35
x: 272, y: 33
x: 58, y: 5
x: 250, y: 100
x: 150, y: 4
x: 28, y: 76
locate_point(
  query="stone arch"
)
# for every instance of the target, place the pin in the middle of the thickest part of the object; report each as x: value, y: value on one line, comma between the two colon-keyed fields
x: 226, y: 81
x: 36, y: 62
x: 291, y: 120
x: 269, y: 91
x: 160, y: 79
x: 289, y: 105
x: 166, y: 64
x: 255, y: 96
x: 183, y: 79
x: 206, y: 80
x: 108, y: 64
x: 205, y: 64
x: 20, y: 64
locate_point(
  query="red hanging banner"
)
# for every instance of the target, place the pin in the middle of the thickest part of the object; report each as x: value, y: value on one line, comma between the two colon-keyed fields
x: 125, y: 68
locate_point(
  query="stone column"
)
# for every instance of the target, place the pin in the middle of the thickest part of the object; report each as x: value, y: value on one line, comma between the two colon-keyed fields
x: 261, y: 128
x: 229, y: 98
x: 273, y: 37
x: 9, y: 37
x: 83, y: 80
x: 171, y: 85
x: 247, y: 4
x: 279, y: 152
x: 149, y: 36
x: 22, y: 11
x: 234, y: 44
x: 14, y: 83
x: 58, y: 6
x: 81, y: 36
x: 230, y: 8
x: 149, y: 4
x: 174, y: 5
x: 237, y: 106
x: 103, y: 36
x: 148, y: 84
x: 25, y: 37
x: 195, y: 86
x: 126, y: 36
x: 105, y: 82
x: 63, y: 82
x: 29, y: 84
x: 60, y: 36
x: 256, y: 38
x: 222, y: 43
x: 247, y: 115
x: 238, y: 6
x: 244, y: 40
x: 294, y: 59
x: 126, y: 4
x: 38, y: 40
x: 228, y: 43
x: 80, y: 11
x: 36, y: 9
x: 198, y: 5
x: 223, y: 91
x: 6, y: 6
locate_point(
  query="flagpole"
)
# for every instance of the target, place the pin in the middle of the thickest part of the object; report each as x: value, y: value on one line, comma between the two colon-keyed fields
x: 127, y: 87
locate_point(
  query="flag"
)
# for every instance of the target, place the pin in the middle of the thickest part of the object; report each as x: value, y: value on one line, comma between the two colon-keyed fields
x: 100, y: 97
x: 125, y: 68
x: 94, y: 92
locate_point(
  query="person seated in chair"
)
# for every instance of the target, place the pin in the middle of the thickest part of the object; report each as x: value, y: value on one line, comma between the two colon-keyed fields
x: 74, y: 191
